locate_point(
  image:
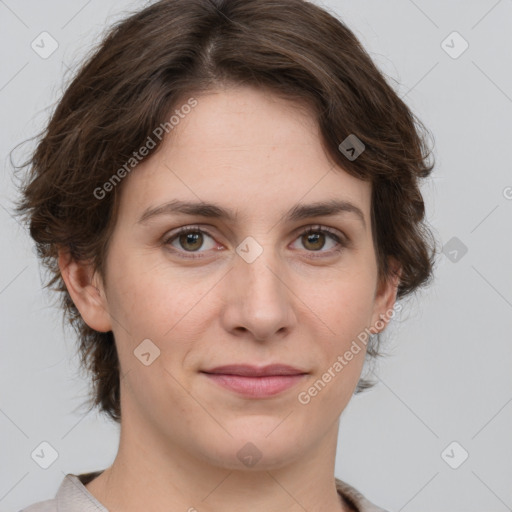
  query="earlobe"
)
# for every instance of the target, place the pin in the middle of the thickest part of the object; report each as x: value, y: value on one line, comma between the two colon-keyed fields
x: 86, y: 291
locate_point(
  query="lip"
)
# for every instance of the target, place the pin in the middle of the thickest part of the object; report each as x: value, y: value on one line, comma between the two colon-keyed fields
x: 256, y: 382
x: 247, y: 370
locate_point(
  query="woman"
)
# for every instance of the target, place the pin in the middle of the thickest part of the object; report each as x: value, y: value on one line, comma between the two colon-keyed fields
x: 227, y: 196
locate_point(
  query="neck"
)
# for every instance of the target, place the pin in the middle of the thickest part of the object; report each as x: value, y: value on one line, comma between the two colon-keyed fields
x: 152, y: 474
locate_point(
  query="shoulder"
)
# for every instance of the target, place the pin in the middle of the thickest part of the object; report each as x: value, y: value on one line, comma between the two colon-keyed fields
x: 42, y: 506
x: 355, y: 499
x: 72, y: 496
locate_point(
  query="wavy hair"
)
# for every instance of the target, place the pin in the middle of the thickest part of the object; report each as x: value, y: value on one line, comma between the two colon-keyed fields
x: 140, y: 71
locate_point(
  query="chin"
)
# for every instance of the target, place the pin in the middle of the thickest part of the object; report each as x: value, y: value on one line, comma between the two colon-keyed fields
x: 253, y: 451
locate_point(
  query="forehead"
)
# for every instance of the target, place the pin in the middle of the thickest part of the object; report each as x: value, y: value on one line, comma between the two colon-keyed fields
x: 247, y: 109
x: 247, y: 149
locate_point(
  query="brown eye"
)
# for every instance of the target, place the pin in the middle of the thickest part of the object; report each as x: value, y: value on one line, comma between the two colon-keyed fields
x: 316, y: 238
x: 189, y: 239
x: 314, y: 241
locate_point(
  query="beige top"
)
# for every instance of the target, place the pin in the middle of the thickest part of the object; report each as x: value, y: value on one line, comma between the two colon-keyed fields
x: 73, y: 496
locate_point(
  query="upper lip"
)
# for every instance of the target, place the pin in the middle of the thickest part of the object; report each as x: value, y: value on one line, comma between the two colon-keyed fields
x: 256, y: 371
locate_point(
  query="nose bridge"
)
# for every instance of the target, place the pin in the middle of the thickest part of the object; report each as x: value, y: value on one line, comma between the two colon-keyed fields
x: 260, y: 300
x: 258, y: 266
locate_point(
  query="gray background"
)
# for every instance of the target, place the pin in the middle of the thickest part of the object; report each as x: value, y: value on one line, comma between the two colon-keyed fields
x: 449, y: 376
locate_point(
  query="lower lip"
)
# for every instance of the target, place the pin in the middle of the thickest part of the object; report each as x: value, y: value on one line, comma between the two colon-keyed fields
x: 256, y: 387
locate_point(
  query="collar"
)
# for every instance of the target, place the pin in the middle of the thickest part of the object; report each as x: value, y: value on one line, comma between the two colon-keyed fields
x: 73, y: 496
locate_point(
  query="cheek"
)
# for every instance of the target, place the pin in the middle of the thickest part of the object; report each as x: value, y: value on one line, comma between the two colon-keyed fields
x: 157, y: 301
x: 341, y: 352
x: 342, y: 311
x: 344, y: 305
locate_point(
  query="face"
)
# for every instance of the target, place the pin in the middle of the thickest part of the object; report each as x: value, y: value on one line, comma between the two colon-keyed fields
x: 249, y: 287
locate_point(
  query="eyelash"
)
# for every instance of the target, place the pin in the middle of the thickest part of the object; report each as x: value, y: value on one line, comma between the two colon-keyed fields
x: 342, y: 243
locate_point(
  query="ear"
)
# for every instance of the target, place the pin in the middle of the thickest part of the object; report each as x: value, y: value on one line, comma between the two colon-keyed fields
x: 86, y: 290
x: 385, y: 296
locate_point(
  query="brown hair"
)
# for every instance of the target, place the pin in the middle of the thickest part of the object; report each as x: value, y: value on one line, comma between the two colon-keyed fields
x: 140, y: 72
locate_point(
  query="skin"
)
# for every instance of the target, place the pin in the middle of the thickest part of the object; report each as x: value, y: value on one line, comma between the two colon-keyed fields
x: 249, y: 151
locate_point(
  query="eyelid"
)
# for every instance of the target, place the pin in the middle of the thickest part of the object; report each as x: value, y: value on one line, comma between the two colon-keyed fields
x: 326, y: 229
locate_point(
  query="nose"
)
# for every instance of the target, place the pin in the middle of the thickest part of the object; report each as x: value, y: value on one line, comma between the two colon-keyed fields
x: 258, y: 300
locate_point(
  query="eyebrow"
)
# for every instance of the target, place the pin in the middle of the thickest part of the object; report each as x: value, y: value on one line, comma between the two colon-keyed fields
x: 298, y: 212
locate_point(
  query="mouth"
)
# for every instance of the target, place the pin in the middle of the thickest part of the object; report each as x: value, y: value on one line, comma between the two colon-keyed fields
x: 245, y: 370
x: 256, y: 382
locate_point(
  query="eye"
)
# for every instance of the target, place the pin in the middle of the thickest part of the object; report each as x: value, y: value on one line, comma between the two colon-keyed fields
x: 314, y: 238
x: 189, y: 239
